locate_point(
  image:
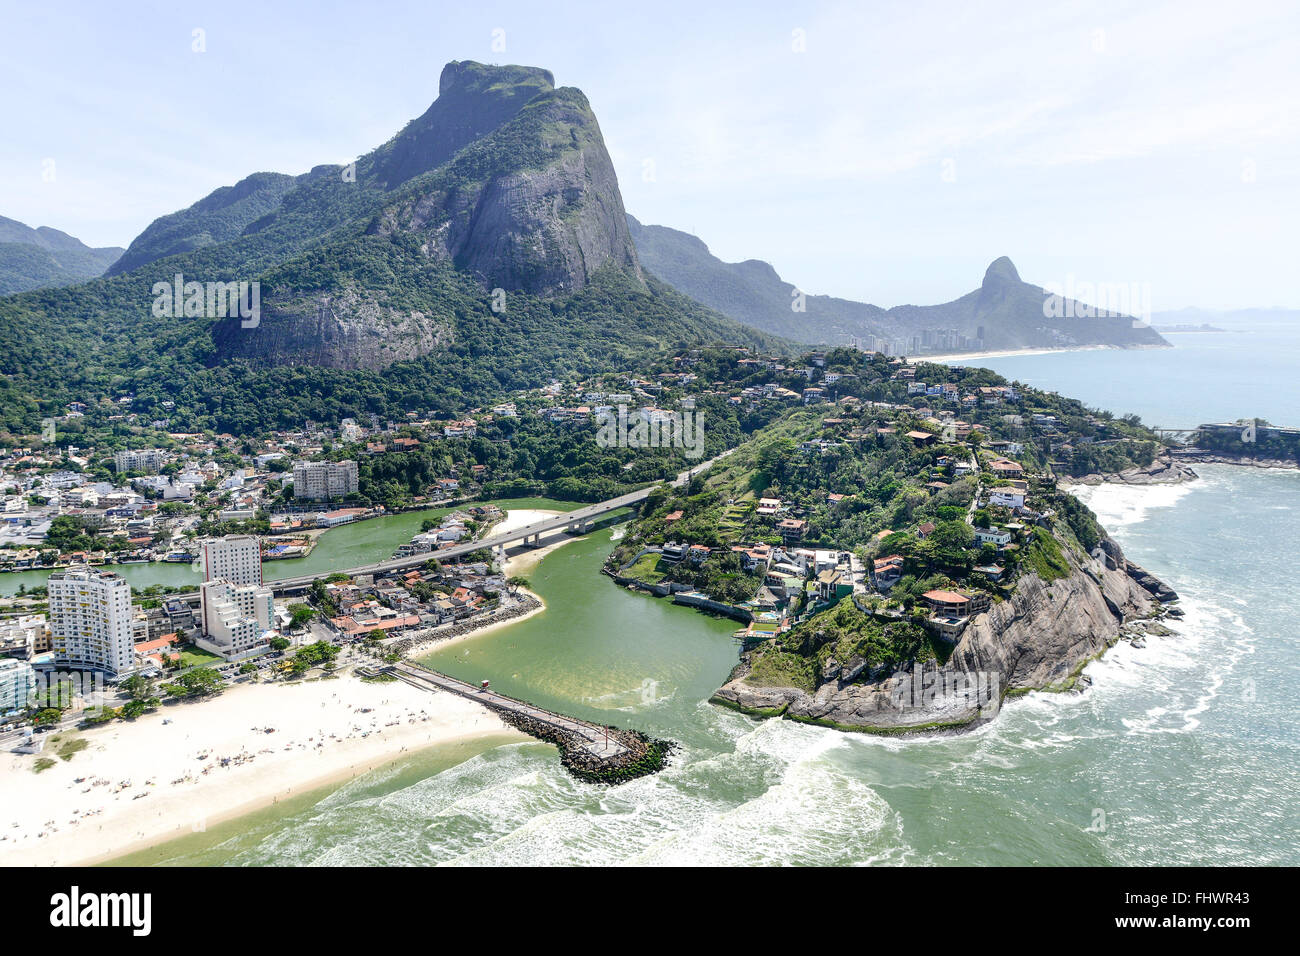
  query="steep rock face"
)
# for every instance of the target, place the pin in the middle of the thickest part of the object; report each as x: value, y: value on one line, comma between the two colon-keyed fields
x: 1163, y: 471
x: 352, y: 329
x: 267, y: 217
x: 526, y: 201
x: 473, y: 100
x: 1039, y: 639
x: 535, y: 207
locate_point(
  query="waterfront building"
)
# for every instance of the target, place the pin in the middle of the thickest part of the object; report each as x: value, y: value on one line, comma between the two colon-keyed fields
x: 236, y: 618
x: 17, y: 683
x: 236, y: 558
x: 90, y: 617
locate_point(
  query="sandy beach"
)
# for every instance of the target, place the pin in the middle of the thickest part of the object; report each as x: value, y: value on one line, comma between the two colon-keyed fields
x: 523, y: 561
x: 968, y: 358
x: 141, y: 783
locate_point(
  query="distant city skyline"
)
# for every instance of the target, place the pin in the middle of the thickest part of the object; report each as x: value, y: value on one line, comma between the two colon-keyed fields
x: 886, y: 154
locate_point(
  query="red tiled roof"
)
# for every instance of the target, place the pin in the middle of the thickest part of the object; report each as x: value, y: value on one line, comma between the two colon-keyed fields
x: 148, y: 647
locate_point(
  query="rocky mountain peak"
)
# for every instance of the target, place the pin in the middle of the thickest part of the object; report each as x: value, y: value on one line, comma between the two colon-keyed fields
x: 474, y: 99
x: 467, y: 76
x: 532, y: 205
x: 1001, y: 270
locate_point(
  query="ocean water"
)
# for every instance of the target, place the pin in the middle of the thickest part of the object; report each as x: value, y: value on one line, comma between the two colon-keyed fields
x: 1248, y: 371
x: 1185, y: 751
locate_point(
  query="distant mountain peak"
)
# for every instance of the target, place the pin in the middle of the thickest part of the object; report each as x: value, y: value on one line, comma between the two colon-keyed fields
x: 1005, y: 312
x: 505, y: 175
x: 522, y: 194
x: 45, y: 257
x: 471, y: 76
x: 1001, y: 269
x: 474, y: 99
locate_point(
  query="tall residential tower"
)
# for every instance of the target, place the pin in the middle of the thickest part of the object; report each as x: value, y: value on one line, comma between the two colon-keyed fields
x: 90, y: 620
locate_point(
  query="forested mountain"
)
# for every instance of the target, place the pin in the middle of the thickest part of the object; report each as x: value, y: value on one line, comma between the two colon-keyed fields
x: 482, y: 249
x: 38, y: 258
x: 1005, y: 312
x: 220, y: 216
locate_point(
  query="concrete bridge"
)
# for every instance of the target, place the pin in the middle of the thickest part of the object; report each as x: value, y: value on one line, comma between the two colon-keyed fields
x: 574, y: 522
x: 579, y: 521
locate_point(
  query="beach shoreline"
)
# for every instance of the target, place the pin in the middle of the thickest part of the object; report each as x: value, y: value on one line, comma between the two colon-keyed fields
x: 967, y: 358
x: 189, y: 765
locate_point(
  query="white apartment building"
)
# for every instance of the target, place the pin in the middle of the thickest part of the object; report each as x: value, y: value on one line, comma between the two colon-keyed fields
x: 147, y: 460
x: 90, y: 617
x: 236, y: 610
x: 236, y: 558
x: 320, y: 480
x: 17, y: 683
x: 235, y: 618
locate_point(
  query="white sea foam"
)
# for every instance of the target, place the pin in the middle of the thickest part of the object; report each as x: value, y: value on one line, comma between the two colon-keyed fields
x: 814, y: 812
x: 1117, y: 506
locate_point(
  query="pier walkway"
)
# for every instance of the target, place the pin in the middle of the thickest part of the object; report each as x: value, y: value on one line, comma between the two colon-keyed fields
x: 592, y: 738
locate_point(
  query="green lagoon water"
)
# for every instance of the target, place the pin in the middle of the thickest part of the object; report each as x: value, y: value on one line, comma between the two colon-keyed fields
x: 347, y: 546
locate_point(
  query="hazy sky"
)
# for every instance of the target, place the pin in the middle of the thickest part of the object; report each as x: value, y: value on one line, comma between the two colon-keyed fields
x: 880, y: 151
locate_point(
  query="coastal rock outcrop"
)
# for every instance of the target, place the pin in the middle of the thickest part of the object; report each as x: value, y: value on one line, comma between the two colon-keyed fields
x: 1165, y: 470
x: 1038, y: 639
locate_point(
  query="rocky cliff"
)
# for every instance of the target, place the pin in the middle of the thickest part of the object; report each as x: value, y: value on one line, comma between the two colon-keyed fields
x: 473, y: 100
x: 348, y: 329
x: 533, y: 207
x: 504, y: 177
x: 505, y: 182
x: 1165, y: 470
x: 1039, y: 639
